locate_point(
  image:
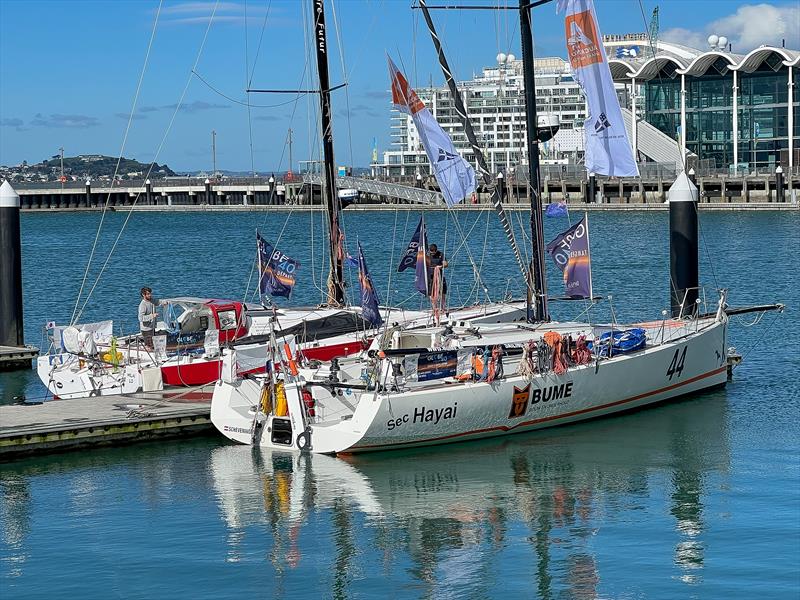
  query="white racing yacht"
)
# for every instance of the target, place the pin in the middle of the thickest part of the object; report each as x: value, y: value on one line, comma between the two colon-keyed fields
x: 445, y: 384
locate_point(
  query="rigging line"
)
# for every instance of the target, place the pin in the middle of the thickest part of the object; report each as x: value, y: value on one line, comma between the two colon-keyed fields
x: 155, y: 158
x: 391, y: 256
x: 260, y: 39
x: 239, y: 102
x: 247, y: 86
x: 73, y: 318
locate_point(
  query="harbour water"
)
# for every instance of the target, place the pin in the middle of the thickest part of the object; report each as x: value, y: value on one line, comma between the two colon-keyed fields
x: 696, y: 499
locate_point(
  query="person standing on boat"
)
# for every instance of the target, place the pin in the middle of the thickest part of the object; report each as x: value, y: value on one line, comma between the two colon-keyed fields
x: 148, y: 316
x: 436, y: 259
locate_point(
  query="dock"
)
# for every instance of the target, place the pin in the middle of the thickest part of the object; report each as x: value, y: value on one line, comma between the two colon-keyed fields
x: 17, y: 357
x: 59, y: 425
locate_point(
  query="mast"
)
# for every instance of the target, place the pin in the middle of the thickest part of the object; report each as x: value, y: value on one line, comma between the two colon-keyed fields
x: 335, y: 279
x: 538, y: 275
x: 458, y: 102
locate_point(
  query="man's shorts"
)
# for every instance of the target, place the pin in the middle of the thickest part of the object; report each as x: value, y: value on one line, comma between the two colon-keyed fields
x: 147, y: 335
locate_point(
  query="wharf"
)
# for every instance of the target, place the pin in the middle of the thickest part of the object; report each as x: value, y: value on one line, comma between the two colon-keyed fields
x: 80, y: 423
x: 17, y: 357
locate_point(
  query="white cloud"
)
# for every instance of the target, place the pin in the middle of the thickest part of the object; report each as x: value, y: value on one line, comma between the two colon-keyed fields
x: 749, y: 27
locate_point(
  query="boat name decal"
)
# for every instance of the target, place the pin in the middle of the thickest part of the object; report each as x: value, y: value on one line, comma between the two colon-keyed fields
x: 423, y: 415
x: 235, y: 429
x: 553, y: 392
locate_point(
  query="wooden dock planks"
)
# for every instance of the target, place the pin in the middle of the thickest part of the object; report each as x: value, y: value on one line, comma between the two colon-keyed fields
x: 104, y: 420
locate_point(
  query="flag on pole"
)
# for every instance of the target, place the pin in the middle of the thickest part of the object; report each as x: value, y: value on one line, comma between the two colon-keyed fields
x: 410, y: 255
x: 276, y: 271
x: 556, y: 210
x: 570, y: 252
x: 607, y: 149
x: 369, y: 297
x: 455, y: 175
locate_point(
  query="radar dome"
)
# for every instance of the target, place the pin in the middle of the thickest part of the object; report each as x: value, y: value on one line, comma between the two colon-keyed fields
x: 723, y: 41
x: 511, y: 58
x: 501, y: 58
x: 713, y: 40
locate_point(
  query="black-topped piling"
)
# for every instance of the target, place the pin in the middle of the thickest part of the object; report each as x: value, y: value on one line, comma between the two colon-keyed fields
x: 683, y: 249
x: 11, y: 330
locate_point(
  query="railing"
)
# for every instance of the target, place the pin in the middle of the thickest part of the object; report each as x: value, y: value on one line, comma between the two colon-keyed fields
x: 381, y: 188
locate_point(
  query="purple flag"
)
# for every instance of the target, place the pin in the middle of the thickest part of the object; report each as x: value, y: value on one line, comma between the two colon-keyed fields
x: 410, y: 255
x: 556, y: 210
x: 277, y: 271
x: 570, y: 252
x: 369, y: 297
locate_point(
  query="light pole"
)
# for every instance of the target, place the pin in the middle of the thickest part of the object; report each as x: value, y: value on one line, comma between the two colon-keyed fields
x: 214, y: 153
x: 62, y: 178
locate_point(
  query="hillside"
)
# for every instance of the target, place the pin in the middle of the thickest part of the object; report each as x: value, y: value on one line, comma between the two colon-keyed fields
x: 85, y: 166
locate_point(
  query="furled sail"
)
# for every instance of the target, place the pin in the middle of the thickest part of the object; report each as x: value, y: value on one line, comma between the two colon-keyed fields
x: 607, y: 149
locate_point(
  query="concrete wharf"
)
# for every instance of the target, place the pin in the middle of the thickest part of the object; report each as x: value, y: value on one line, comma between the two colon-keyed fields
x: 58, y: 425
x: 17, y: 357
x: 737, y: 191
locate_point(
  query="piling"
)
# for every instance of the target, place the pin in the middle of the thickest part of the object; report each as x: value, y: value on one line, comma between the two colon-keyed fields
x: 683, y: 248
x: 779, y: 191
x: 590, y: 191
x: 11, y: 330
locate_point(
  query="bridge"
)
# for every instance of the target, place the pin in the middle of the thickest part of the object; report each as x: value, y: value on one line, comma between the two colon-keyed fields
x: 381, y: 188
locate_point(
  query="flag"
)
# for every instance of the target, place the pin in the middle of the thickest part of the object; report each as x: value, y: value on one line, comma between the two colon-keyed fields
x: 369, y: 297
x: 570, y: 252
x: 556, y: 210
x: 276, y: 271
x: 607, y: 149
x: 422, y: 272
x: 455, y: 175
x: 350, y: 261
x: 410, y: 255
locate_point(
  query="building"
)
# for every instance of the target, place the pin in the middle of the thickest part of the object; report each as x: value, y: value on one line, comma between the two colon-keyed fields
x: 706, y: 99
x: 698, y: 102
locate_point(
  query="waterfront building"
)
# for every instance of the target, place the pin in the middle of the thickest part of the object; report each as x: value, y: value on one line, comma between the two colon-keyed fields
x: 685, y: 101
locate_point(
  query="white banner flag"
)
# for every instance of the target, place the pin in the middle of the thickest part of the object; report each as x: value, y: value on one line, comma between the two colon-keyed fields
x: 607, y: 149
x: 455, y: 175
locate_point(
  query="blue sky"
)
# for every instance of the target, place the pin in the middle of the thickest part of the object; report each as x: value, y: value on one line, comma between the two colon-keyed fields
x: 70, y: 69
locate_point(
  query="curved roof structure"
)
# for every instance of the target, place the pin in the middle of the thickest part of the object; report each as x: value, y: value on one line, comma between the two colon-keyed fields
x: 697, y: 63
x: 756, y: 57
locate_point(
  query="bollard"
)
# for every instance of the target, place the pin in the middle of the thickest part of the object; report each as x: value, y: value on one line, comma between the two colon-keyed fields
x: 148, y: 193
x: 779, y: 192
x: 11, y: 331
x: 88, y: 193
x: 207, y: 199
x: 692, y: 176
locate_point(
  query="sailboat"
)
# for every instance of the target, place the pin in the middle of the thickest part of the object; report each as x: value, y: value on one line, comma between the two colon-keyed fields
x: 418, y: 387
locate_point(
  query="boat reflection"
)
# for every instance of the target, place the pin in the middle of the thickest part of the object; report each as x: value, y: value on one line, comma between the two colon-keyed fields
x: 456, y: 512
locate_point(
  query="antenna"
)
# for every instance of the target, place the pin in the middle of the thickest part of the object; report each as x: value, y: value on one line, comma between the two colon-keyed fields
x: 214, y: 153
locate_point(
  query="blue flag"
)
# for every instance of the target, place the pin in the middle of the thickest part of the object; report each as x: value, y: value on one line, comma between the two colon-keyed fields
x: 556, y: 210
x: 369, y: 297
x: 349, y: 261
x: 421, y: 278
x: 570, y: 252
x: 276, y: 271
x: 410, y: 255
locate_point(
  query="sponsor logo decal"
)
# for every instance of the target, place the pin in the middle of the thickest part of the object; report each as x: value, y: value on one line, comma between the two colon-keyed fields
x: 582, y: 40
x: 423, y: 415
x: 519, y: 401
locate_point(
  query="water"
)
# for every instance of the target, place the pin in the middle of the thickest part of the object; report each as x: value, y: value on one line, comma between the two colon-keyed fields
x: 698, y: 499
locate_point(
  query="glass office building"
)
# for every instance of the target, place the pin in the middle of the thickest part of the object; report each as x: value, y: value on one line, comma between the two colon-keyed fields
x: 725, y: 109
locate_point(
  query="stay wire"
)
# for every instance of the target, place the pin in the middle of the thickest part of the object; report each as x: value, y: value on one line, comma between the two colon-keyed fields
x: 155, y: 158
x: 74, y: 318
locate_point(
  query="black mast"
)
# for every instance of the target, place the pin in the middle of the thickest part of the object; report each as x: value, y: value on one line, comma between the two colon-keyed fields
x: 335, y: 280
x: 538, y: 274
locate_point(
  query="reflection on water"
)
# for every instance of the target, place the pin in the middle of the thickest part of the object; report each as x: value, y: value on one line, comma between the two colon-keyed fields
x: 457, y: 513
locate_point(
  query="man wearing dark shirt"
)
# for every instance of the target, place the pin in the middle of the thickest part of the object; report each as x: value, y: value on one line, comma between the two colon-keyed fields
x: 436, y: 259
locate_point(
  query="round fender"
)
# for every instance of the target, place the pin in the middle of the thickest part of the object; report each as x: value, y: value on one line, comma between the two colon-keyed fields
x: 304, y: 440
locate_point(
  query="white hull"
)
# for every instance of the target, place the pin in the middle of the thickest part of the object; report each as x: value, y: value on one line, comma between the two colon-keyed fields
x: 443, y: 412
x: 66, y: 376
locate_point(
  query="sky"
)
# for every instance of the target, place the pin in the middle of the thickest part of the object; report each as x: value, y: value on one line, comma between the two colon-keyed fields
x: 72, y: 72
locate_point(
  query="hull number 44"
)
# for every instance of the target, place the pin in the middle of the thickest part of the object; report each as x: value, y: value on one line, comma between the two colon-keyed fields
x: 676, y: 366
